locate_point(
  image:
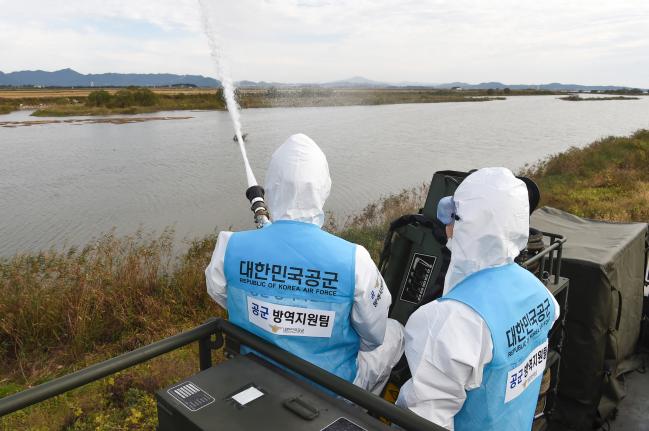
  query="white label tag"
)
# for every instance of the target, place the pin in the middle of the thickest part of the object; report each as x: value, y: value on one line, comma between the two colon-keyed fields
x: 524, y: 374
x: 293, y: 321
x: 249, y: 395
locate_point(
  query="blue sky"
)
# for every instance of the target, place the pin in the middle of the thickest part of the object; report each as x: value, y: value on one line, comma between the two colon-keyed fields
x: 513, y: 41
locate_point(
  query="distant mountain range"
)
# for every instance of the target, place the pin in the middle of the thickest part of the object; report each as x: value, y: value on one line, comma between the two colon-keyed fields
x: 554, y: 86
x: 71, y: 78
x: 358, y: 81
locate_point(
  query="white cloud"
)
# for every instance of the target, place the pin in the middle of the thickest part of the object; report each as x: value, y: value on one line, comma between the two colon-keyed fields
x: 591, y: 42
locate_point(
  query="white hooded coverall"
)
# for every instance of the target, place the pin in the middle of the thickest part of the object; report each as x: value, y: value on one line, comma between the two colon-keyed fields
x: 447, y: 343
x: 297, y: 185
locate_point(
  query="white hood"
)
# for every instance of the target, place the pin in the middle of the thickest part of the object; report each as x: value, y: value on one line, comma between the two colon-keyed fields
x: 298, y: 181
x: 493, y: 228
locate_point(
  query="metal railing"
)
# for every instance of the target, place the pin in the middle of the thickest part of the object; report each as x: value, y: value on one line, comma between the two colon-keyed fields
x: 203, y: 335
x: 550, y: 257
x: 94, y: 372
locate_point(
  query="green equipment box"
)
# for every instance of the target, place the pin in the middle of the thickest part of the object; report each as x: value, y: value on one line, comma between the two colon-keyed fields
x: 248, y: 393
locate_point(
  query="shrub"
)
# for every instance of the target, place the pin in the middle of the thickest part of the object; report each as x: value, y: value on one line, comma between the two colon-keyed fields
x: 125, y: 98
x: 144, y: 97
x: 98, y: 98
x: 122, y: 99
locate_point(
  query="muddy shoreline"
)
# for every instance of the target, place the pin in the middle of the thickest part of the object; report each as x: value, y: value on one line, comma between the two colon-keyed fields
x: 82, y: 121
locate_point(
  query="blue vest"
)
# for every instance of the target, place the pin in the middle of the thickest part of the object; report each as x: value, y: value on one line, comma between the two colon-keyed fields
x: 519, y: 312
x: 293, y: 284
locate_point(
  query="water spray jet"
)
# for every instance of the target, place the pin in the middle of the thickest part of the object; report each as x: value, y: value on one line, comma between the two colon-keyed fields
x: 254, y: 193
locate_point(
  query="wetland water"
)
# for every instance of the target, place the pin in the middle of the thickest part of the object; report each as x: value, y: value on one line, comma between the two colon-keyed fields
x: 62, y: 184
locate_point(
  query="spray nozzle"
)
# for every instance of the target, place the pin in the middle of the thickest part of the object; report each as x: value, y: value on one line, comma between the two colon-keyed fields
x: 255, y: 194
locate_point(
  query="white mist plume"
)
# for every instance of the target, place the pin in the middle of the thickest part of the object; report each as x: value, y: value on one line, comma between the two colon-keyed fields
x: 223, y: 74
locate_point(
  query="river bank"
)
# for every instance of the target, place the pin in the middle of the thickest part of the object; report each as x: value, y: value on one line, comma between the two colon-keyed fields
x: 80, y: 121
x: 63, y: 310
x: 577, y: 98
x: 74, y: 102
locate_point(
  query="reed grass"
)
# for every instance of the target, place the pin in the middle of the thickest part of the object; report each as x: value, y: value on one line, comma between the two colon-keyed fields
x: 117, y: 291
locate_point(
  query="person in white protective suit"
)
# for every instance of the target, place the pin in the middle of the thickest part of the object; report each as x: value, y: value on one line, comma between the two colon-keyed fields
x: 307, y: 291
x: 478, y: 353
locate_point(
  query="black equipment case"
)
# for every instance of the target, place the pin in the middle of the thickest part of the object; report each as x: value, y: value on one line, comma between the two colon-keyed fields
x: 248, y: 393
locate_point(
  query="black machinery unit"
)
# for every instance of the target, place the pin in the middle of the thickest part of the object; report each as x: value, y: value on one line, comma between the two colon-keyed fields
x: 414, y: 259
x: 248, y: 393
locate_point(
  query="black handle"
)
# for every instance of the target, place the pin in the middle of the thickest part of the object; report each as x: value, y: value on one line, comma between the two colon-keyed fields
x: 301, y: 408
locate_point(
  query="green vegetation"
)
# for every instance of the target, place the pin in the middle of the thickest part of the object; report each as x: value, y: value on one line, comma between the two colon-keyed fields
x: 6, y: 107
x: 577, y: 98
x: 133, y: 101
x: 63, y: 310
x: 607, y: 180
x: 623, y: 91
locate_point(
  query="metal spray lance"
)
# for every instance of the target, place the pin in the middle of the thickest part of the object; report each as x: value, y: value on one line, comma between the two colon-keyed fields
x: 255, y: 192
